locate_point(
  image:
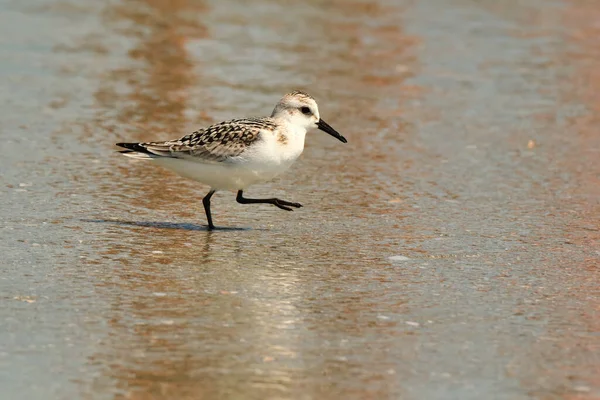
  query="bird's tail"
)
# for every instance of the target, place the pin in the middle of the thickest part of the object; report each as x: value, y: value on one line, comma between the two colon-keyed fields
x: 136, y: 150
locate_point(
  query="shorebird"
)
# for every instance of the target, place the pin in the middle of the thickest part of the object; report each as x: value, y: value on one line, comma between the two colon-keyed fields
x: 233, y: 155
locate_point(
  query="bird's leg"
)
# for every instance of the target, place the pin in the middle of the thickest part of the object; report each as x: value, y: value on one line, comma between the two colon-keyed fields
x: 284, y: 205
x: 206, y: 202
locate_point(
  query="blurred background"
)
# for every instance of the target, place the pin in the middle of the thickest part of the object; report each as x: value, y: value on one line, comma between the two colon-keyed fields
x: 449, y: 251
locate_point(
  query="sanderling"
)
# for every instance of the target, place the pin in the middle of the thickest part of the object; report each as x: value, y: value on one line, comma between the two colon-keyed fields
x: 235, y: 154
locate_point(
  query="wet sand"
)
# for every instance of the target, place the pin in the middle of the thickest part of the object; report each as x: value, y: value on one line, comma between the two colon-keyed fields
x: 450, y: 250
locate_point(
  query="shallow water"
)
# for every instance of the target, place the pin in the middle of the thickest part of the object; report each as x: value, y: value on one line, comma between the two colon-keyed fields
x: 450, y: 250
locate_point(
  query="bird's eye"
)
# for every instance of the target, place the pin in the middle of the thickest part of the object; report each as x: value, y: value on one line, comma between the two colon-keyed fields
x: 305, y: 110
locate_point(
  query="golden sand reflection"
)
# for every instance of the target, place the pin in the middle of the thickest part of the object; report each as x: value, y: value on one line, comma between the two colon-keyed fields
x: 200, y: 315
x: 161, y: 70
x: 147, y: 97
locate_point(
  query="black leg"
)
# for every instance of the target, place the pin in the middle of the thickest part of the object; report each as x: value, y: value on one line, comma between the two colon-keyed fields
x: 206, y: 202
x: 284, y: 205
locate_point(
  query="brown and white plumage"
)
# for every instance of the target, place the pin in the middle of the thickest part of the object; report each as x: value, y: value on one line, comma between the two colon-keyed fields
x: 216, y: 143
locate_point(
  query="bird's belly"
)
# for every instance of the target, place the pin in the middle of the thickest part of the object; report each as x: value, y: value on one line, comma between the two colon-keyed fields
x: 225, y: 175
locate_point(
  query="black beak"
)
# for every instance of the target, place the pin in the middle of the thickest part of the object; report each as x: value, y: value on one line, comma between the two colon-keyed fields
x: 324, y: 126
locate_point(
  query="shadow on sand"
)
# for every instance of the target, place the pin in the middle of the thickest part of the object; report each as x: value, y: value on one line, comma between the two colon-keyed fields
x: 165, y: 225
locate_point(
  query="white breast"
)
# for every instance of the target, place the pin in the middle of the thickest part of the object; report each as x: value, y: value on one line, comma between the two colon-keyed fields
x: 275, y: 152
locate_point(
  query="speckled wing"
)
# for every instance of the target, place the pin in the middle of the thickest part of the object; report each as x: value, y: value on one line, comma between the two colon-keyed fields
x: 216, y: 143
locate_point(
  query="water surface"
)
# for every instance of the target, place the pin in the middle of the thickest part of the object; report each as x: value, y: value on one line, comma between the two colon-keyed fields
x: 449, y: 251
